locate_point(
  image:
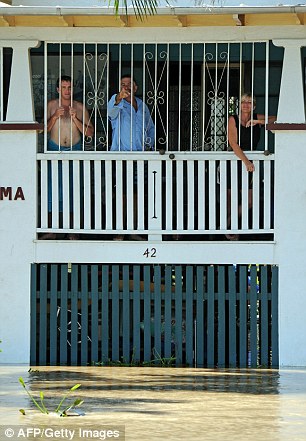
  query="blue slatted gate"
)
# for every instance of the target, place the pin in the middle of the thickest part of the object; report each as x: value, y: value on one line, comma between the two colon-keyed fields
x: 183, y: 315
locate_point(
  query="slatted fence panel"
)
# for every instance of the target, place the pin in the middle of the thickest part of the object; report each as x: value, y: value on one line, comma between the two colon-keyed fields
x: 185, y: 315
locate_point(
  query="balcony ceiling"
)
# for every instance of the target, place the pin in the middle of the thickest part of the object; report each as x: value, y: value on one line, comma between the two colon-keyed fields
x: 178, y: 14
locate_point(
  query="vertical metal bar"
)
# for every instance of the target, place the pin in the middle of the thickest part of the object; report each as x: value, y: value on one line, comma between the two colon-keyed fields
x: 203, y: 95
x: 243, y: 347
x: 210, y: 316
x: 215, y: 96
x: 131, y: 104
x: 179, y: 147
x: 157, y: 311
x: 191, y: 99
x: 53, y: 315
x: 274, y: 311
x: 168, y: 312
x: 189, y: 317
x: 253, y: 316
x: 126, y: 317
x: 115, y: 313
x: 226, y: 113
x: 94, y: 309
x: 147, y: 314
x: 252, y: 90
x: 74, y: 327
x: 167, y: 99
x: 105, y: 314
x: 221, y: 316
x: 232, y: 301
x: 200, y: 332
x: 84, y: 94
x: 84, y: 315
x: 64, y: 315
x: 136, y: 313
x: 178, y: 316
x: 71, y: 97
x: 34, y: 300
x: 267, y: 93
x: 264, y: 319
x: 45, y: 95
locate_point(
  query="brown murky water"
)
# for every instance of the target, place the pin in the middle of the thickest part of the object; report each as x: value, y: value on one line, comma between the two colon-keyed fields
x: 158, y: 403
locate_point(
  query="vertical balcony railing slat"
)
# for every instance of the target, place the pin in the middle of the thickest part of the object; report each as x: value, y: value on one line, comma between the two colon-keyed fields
x: 44, y: 194
x: 202, y: 201
x: 267, y: 200
x: 179, y: 195
x: 55, y: 193
x: 86, y: 209
x: 139, y: 220
x: 245, y: 201
x: 210, y: 317
x: 234, y: 195
x: 256, y: 196
x: 212, y: 192
x: 223, y: 195
x: 66, y: 193
x: 108, y: 195
x: 120, y: 203
x: 130, y: 195
x: 98, y: 200
x: 191, y: 195
x: 76, y: 195
x: 168, y: 203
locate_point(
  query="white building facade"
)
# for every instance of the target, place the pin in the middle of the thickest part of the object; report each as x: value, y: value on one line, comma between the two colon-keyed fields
x: 191, y: 65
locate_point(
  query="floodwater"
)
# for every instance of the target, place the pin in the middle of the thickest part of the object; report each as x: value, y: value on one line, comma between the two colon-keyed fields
x: 137, y: 403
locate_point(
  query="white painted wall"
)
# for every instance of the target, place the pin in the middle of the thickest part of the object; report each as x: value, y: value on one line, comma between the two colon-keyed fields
x: 17, y: 230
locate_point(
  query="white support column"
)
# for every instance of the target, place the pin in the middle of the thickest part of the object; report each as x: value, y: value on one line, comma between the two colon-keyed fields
x: 20, y: 100
x: 290, y: 236
x: 18, y: 207
x: 291, y: 106
x: 290, y: 210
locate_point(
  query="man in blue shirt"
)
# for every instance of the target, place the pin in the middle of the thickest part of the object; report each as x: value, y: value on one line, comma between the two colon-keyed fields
x: 133, y: 128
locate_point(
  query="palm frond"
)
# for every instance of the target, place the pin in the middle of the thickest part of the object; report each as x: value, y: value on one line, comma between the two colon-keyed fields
x: 142, y: 8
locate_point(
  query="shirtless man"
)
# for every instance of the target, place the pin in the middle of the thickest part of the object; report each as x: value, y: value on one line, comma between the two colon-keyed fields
x: 65, y: 119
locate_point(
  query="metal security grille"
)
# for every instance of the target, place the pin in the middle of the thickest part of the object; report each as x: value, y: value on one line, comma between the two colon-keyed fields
x: 191, y: 315
x: 189, y: 88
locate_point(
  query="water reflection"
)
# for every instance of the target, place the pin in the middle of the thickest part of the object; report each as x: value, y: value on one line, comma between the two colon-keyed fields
x: 169, y: 403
